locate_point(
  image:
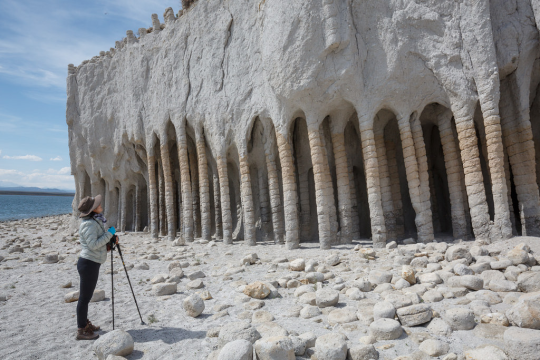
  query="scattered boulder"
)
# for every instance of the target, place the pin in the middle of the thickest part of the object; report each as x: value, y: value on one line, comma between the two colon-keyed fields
x: 116, y: 342
x: 164, y: 289
x: 274, y: 348
x: 407, y: 273
x: 379, y: 277
x: 50, y: 259
x: 143, y: 266
x: 99, y: 295
x: 237, y: 350
x: 363, y: 352
x: 193, y: 305
x: 457, y: 252
x: 309, y: 312
x: 525, y: 312
x: 333, y: 260
x: 332, y: 346
x: 297, y: 265
x: 415, y: 314
x: 195, y: 284
x: 257, y: 290
x: 71, y: 296
x: 383, y: 310
x: 518, y: 256
x: 236, y: 331
x: 261, y: 316
x: 196, y: 275
x: 326, y: 297
x: 529, y: 281
x: 385, y: 329
x: 434, y: 347
x: 460, y: 319
x: 522, y: 344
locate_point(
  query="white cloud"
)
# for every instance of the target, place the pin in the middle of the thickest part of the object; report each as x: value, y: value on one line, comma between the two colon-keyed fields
x: 39, y: 179
x: 64, y: 170
x: 58, y: 158
x: 25, y: 157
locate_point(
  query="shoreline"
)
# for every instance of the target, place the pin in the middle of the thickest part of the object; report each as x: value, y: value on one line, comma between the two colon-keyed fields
x: 33, y: 218
x: 35, y: 193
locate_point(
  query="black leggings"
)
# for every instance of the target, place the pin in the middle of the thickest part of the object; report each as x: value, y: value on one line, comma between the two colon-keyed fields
x: 88, y: 272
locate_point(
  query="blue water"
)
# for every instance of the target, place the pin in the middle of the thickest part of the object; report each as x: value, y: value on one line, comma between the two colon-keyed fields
x: 14, y: 207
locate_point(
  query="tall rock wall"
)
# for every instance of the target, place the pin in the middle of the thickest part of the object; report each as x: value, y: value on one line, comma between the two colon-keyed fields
x: 321, y: 120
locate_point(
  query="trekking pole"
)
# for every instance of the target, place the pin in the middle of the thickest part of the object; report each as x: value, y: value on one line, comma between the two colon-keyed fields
x: 129, y: 281
x: 112, y: 285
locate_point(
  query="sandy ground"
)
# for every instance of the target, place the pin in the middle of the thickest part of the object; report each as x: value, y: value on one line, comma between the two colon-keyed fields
x: 36, y: 323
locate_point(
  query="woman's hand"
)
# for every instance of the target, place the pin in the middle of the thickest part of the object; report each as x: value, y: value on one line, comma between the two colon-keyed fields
x: 112, y: 230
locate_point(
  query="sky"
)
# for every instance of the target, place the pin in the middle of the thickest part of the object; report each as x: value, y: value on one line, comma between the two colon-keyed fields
x: 39, y: 39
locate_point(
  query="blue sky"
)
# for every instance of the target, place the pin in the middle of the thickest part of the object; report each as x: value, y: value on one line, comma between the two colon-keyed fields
x: 39, y: 39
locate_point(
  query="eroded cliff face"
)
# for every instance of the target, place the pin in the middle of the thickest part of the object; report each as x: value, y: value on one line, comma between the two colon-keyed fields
x: 300, y: 120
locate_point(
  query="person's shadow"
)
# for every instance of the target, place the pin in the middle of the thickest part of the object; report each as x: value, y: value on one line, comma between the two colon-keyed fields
x: 168, y: 335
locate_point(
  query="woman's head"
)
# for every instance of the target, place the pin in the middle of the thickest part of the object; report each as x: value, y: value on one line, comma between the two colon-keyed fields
x: 89, y: 205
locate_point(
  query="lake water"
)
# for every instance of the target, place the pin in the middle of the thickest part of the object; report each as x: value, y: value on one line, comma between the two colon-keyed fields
x: 14, y: 207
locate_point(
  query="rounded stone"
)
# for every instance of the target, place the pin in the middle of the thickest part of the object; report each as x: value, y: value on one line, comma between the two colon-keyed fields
x: 384, y: 310
x: 523, y: 344
x: 274, y: 348
x: 163, y: 289
x: 434, y: 347
x: 326, y: 297
x: 432, y: 296
x: 385, y: 329
x: 363, y: 352
x: 415, y: 314
x: 457, y: 252
x: 116, y: 342
x: 342, y: 316
x: 99, y: 295
x: 379, y: 277
x: 237, y: 350
x: 193, y: 305
x: 460, y: 319
x: 462, y: 269
x: 297, y: 265
x: 238, y: 330
x: 354, y: 294
x: 332, y: 346
x: 315, y: 277
x: 257, y: 290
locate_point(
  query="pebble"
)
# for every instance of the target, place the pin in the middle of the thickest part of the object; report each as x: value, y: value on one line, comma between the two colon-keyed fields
x: 116, y: 342
x: 385, y: 329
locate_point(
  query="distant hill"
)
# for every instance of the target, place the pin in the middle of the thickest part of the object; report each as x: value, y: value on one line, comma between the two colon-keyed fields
x: 22, y: 190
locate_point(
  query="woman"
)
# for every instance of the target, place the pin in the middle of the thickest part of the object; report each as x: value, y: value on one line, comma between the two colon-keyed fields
x: 94, y: 239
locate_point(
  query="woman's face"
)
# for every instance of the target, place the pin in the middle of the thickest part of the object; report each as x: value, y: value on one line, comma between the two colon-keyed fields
x: 98, y: 210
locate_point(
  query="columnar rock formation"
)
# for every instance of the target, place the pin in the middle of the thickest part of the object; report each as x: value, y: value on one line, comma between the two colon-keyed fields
x: 316, y: 121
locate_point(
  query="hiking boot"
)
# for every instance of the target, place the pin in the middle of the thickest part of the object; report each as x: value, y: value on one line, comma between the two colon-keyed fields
x: 91, y: 326
x: 86, y: 334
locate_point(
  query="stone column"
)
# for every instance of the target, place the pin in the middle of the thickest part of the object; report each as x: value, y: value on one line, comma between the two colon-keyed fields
x: 518, y: 139
x: 385, y: 185
x: 502, y: 225
x: 162, y: 210
x: 453, y: 173
x: 355, y: 217
x: 193, y: 164
x: 273, y: 189
x: 412, y: 153
x: 290, y: 197
x: 266, y: 212
x: 321, y: 187
x: 247, y: 199
x: 217, y: 208
x: 187, y: 201
x: 395, y: 188
x: 371, y: 165
x: 204, y: 188
x: 334, y: 226
x: 108, y: 203
x: 169, y: 187
x: 137, y: 220
x: 122, y: 209
x: 225, y: 200
x: 152, y: 192
x: 343, y: 188
x: 474, y: 181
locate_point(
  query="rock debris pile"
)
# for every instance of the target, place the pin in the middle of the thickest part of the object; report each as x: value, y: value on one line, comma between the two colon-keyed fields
x: 463, y: 300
